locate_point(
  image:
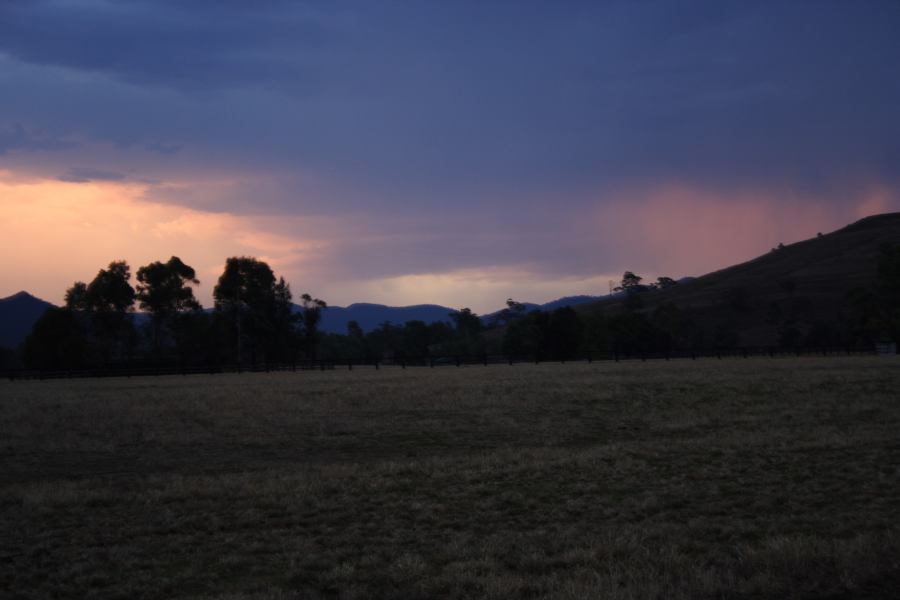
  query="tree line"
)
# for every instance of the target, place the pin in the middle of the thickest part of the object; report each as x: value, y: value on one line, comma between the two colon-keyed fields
x: 254, y: 321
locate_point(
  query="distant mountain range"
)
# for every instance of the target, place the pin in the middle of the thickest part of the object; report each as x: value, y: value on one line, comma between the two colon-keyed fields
x: 816, y: 274
x: 371, y: 316
x: 17, y: 315
x: 19, y: 312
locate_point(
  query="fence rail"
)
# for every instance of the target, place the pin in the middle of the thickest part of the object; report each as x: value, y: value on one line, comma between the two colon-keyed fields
x: 143, y: 370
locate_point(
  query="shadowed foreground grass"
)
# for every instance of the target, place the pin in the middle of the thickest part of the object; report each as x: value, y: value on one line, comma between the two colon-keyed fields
x: 712, y: 479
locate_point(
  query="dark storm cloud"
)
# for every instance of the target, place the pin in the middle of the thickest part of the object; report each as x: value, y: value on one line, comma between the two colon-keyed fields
x: 418, y: 97
x: 15, y: 137
x: 87, y: 174
x: 190, y: 45
x: 467, y: 117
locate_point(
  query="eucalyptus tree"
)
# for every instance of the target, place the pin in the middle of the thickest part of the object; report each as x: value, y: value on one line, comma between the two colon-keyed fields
x: 242, y: 295
x: 105, y: 304
x: 257, y: 309
x: 311, y: 315
x: 164, y: 291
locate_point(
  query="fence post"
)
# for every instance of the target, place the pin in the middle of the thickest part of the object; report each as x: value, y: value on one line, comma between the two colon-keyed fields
x: 349, y: 365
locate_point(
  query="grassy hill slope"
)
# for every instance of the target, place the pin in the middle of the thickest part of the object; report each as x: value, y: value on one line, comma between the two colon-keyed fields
x: 813, y: 276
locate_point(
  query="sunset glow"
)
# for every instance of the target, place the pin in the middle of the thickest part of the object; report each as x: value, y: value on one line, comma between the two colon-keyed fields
x: 676, y: 231
x: 372, y: 155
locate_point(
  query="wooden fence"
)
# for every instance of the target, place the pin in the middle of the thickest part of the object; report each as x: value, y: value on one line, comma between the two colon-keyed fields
x: 144, y: 370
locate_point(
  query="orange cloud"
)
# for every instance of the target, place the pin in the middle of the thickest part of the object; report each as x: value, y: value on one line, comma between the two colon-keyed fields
x: 54, y: 232
x: 58, y: 232
x: 681, y: 230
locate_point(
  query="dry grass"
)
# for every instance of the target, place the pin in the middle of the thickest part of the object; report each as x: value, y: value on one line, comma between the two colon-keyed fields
x: 721, y: 479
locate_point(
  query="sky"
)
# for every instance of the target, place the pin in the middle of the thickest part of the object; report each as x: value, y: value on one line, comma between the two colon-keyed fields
x: 456, y: 153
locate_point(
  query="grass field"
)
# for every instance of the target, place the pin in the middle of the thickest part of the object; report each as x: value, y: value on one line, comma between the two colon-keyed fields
x: 738, y: 478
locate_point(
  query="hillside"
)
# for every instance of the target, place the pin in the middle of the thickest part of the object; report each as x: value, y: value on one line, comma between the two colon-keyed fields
x: 371, y: 316
x: 814, y: 275
x: 811, y: 278
x: 17, y: 314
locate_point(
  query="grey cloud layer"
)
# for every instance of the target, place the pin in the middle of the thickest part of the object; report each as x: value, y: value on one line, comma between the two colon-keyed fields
x: 188, y: 45
x: 16, y: 138
x: 86, y: 174
x: 506, y: 110
x: 421, y: 95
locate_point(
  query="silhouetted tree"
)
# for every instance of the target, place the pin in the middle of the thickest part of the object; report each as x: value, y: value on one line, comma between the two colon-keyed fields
x: 468, y: 328
x: 565, y: 334
x: 77, y: 296
x: 529, y: 336
x: 877, y: 307
x: 887, y: 287
x: 164, y: 291
x: 57, y: 341
x: 384, y: 340
x: 545, y: 335
x: 630, y: 282
x: 670, y: 325
x: 105, y: 305
x: 514, y: 310
x: 311, y: 316
x: 664, y: 282
x: 631, y: 285
x: 244, y: 295
x: 282, y: 345
x: 110, y: 291
x: 198, y: 341
x: 358, y: 340
x: 596, y: 332
x: 632, y: 333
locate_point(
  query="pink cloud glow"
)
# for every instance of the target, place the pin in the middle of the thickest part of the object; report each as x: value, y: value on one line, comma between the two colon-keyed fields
x: 60, y: 231
x: 679, y: 230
